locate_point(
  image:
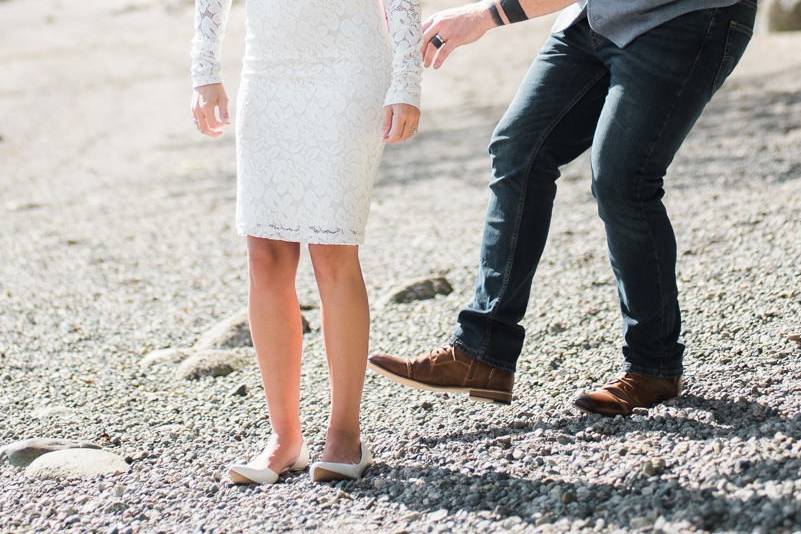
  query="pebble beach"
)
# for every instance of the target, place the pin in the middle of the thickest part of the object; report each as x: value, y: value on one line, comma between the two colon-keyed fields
x: 122, y: 287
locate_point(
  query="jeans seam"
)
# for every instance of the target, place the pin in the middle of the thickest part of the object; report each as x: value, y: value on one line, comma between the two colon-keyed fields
x: 641, y: 171
x: 519, y: 216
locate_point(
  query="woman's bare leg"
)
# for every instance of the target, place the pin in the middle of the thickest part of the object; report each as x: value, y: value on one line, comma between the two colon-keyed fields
x: 346, y: 326
x: 275, y: 325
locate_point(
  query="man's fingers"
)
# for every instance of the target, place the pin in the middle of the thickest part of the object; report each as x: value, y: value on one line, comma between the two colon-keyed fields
x: 428, y: 22
x: 443, y: 53
x: 431, y: 31
x: 429, y: 34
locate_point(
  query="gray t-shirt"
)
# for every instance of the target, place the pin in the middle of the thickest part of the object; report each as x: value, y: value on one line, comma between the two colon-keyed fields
x: 623, y: 21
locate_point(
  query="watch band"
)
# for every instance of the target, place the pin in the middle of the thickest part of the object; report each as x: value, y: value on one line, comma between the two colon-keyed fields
x: 496, y: 17
x: 514, y: 11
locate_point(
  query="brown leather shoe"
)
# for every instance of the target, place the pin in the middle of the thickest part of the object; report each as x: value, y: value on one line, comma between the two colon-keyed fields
x: 448, y: 369
x: 632, y: 390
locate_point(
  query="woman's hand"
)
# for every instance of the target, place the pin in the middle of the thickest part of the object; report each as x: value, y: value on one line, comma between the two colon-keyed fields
x: 456, y: 27
x: 210, y: 109
x: 400, y: 123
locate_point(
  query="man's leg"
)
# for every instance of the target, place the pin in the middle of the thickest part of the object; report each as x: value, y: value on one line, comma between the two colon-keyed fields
x: 659, y: 86
x: 550, y: 122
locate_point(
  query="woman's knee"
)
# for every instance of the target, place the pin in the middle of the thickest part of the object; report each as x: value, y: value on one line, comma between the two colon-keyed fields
x: 270, y: 259
x: 333, y: 263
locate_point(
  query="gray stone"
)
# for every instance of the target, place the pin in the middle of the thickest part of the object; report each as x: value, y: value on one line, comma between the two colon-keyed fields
x: 783, y: 15
x: 210, y: 363
x: 239, y: 391
x: 76, y: 463
x: 232, y: 333
x: 22, y: 453
x: 421, y: 289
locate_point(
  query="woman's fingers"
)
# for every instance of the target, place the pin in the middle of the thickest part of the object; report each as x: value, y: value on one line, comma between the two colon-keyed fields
x: 224, y: 116
x: 210, y: 109
x: 387, y: 120
x: 396, y: 131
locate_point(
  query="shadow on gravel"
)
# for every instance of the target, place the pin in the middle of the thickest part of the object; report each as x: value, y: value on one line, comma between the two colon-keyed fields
x: 723, y: 418
x: 539, y: 500
x: 747, y: 136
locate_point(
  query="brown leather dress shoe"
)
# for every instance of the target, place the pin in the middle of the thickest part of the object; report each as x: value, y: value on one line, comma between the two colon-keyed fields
x: 447, y: 369
x: 632, y: 390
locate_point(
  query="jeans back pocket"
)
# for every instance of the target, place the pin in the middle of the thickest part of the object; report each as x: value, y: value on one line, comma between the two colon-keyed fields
x: 737, y: 39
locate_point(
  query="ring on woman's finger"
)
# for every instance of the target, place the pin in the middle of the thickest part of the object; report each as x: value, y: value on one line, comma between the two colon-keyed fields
x: 437, y: 41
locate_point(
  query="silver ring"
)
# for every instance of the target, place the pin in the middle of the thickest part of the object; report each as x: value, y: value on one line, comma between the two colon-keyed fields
x: 437, y: 41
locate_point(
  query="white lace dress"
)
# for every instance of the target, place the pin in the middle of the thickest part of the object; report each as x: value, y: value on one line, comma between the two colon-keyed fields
x: 309, y: 117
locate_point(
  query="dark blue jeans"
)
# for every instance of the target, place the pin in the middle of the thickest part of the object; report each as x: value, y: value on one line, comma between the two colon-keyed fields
x: 633, y: 107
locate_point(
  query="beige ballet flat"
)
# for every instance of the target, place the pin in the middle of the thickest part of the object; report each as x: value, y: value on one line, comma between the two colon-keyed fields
x: 327, y: 471
x: 253, y: 473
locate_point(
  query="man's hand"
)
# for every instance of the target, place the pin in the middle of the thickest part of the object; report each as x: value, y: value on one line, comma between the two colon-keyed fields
x: 456, y: 27
x: 210, y: 109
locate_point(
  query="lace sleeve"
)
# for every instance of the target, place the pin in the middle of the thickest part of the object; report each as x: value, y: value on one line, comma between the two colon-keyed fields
x: 403, y: 18
x: 210, y: 19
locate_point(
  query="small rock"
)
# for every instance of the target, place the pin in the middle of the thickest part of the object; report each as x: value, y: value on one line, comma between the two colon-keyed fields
x: 568, y: 497
x: 209, y: 363
x: 169, y: 356
x: 76, y: 463
x: 49, y: 412
x: 518, y: 454
x: 22, y: 453
x: 23, y: 205
x: 136, y: 456
x: 422, y: 289
x: 239, y: 391
x: 438, y: 515
x: 795, y: 338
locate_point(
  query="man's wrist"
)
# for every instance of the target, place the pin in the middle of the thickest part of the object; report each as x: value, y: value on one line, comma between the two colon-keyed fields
x: 490, y: 16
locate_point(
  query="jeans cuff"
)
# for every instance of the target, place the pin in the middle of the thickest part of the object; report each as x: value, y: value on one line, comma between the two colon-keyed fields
x: 656, y: 372
x: 479, y: 356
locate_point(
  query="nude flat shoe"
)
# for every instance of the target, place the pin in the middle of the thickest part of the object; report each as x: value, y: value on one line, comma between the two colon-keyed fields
x: 327, y: 471
x: 253, y: 473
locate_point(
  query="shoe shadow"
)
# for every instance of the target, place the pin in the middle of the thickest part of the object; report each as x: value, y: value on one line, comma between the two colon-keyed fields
x: 694, y: 418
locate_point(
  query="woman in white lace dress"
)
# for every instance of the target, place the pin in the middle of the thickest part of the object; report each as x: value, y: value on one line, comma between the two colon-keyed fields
x: 325, y: 84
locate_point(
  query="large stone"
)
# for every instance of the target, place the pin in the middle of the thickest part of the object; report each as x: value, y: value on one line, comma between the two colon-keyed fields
x: 231, y: 333
x: 783, y: 15
x: 422, y: 289
x: 211, y: 363
x: 22, y: 453
x: 76, y: 463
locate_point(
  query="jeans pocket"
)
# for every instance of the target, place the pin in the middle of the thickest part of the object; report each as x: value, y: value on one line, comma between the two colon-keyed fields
x: 737, y: 39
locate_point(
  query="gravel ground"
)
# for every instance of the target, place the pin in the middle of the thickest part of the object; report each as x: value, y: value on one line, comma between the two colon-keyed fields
x: 117, y: 240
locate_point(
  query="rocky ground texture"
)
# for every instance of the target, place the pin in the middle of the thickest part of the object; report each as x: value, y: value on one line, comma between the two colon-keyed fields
x: 122, y: 285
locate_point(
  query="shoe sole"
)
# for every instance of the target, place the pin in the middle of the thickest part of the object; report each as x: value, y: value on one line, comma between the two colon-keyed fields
x: 593, y: 412
x: 324, y: 475
x: 475, y: 394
